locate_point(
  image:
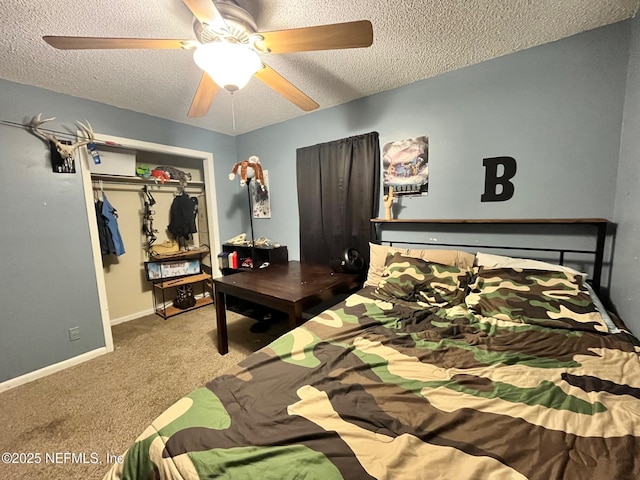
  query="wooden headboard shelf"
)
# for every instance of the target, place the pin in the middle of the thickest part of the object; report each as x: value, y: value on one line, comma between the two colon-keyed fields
x: 505, y: 221
x: 600, y: 224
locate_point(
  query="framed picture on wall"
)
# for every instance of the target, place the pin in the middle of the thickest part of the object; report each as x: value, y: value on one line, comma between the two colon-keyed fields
x: 405, y: 164
x: 261, y: 201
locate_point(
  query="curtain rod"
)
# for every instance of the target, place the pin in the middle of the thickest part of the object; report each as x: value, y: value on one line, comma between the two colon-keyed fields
x: 140, y: 182
x: 136, y: 184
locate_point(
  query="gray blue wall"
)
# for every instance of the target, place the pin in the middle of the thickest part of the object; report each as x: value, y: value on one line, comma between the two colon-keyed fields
x: 625, y: 282
x: 47, y: 278
x: 557, y: 109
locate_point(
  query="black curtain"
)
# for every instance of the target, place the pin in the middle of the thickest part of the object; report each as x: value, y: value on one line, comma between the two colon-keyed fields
x: 338, y: 194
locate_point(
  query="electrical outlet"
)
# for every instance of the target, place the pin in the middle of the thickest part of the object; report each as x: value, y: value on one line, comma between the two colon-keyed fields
x: 74, y: 333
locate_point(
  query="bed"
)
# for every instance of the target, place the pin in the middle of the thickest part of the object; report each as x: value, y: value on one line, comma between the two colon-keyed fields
x: 445, y: 365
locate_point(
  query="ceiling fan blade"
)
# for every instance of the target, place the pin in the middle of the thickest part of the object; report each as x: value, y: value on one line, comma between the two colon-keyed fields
x: 88, y: 43
x: 207, y: 91
x: 206, y: 12
x: 321, y: 37
x: 277, y: 82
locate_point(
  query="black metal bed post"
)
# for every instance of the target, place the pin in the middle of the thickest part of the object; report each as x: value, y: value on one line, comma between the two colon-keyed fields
x: 251, y: 222
x: 250, y: 209
x: 599, y: 255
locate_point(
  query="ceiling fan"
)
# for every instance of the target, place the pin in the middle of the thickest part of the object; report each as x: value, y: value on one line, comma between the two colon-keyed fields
x: 228, y: 46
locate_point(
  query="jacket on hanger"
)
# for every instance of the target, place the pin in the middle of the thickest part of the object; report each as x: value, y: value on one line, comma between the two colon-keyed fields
x: 106, y: 241
x: 110, y: 215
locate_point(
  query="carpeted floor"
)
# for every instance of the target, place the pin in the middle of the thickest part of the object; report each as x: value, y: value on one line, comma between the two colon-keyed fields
x: 94, y: 411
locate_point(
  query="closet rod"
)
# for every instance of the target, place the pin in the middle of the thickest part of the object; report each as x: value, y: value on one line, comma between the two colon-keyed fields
x: 130, y: 187
x: 121, y: 179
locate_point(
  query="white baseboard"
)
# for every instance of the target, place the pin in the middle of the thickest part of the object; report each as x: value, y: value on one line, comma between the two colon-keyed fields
x: 132, y: 316
x: 144, y: 313
x: 56, y: 367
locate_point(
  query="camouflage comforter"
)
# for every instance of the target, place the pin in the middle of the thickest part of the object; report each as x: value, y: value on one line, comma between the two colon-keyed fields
x: 389, y: 388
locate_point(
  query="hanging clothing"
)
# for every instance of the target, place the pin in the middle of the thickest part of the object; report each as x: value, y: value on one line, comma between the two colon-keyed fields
x: 106, y: 241
x: 182, y: 216
x: 110, y: 215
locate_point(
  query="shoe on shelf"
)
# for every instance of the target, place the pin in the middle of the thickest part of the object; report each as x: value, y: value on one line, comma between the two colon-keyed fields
x: 238, y: 239
x: 265, y: 242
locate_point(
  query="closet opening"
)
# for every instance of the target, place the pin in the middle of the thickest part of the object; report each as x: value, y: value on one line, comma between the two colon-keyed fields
x: 123, y: 288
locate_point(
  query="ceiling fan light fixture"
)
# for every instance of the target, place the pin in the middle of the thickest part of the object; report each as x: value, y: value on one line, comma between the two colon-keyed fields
x: 230, y: 65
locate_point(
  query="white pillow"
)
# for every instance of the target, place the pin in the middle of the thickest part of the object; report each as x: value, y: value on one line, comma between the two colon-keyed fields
x: 603, y: 311
x: 488, y: 260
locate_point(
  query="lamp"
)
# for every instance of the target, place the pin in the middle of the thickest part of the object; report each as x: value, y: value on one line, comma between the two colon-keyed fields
x: 230, y: 65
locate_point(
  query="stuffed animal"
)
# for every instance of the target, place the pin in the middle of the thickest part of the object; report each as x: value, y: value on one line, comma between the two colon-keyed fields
x: 160, y: 175
x: 248, y: 169
x: 175, y: 174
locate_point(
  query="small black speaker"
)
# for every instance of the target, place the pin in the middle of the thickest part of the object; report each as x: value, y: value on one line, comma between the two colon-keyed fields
x: 350, y: 262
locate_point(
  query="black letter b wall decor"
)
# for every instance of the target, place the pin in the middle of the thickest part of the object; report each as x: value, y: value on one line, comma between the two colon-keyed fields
x: 492, y: 180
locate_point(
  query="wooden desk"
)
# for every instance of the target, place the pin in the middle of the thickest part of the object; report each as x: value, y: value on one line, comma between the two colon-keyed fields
x: 289, y: 287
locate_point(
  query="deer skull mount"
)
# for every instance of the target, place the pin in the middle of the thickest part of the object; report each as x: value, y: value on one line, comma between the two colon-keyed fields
x: 65, y: 150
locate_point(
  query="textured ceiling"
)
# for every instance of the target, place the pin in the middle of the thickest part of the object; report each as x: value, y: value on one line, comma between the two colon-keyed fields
x: 413, y: 40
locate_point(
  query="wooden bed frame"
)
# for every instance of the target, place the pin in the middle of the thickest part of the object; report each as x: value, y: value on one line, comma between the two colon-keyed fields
x: 599, y: 224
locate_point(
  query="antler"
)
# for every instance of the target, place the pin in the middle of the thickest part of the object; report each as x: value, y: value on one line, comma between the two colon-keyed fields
x: 88, y: 132
x: 65, y: 151
x: 36, y: 122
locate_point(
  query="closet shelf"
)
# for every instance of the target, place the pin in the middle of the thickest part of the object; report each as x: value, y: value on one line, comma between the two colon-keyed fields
x: 126, y: 179
x: 171, y: 311
x: 203, y: 250
x: 182, y: 281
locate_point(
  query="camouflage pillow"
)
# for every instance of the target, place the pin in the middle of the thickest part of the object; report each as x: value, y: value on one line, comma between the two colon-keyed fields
x: 413, y: 279
x: 547, y: 298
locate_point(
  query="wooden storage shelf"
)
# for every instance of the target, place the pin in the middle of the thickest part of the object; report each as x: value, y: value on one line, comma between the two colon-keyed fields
x: 167, y: 311
x: 178, y: 255
x: 171, y: 311
x: 501, y: 221
x: 258, y: 255
x: 183, y: 281
x: 161, y: 286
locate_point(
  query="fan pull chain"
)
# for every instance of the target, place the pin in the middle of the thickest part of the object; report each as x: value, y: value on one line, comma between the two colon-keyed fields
x: 233, y: 113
